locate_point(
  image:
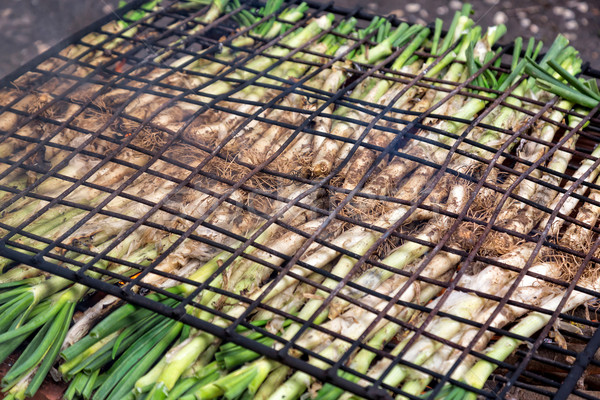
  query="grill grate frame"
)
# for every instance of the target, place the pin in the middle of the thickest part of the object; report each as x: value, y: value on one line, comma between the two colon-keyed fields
x: 114, y: 75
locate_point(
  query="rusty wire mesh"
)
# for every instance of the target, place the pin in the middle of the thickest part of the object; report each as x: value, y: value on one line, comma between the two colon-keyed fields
x: 83, y: 109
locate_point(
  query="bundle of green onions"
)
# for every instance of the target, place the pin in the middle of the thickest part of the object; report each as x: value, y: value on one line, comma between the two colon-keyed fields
x: 188, y: 181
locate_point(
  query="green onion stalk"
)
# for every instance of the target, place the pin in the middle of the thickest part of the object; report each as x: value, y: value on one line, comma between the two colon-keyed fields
x: 45, y: 306
x: 228, y: 355
x: 214, y: 123
x: 248, y: 378
x: 295, y: 385
x: 111, y: 176
x: 374, y: 278
x: 479, y: 373
x: 244, y: 18
x: 56, y: 220
x: 235, y: 311
x: 364, y: 157
x: 214, y: 126
x: 257, y: 271
x: 261, y: 140
x: 227, y: 54
x: 382, y: 88
x: 571, y: 202
x: 138, y: 105
x: 118, y: 381
x: 531, y: 151
x: 403, y: 257
x: 301, y: 150
x: 337, y: 76
x: 363, y: 359
x: 181, y: 358
x: 532, y: 292
x: 273, y: 27
x: 121, y: 336
x: 580, y: 93
x: 412, y: 249
x: 465, y: 305
x: 191, y: 348
x: 215, y: 10
x: 146, y: 102
x: 53, y: 225
x: 454, y: 201
x: 446, y: 330
x: 503, y: 117
x: 459, y: 27
x: 526, y: 218
x: 394, y: 171
x: 382, y: 335
x: 529, y: 217
x: 356, y: 241
x: 368, y: 90
x: 578, y: 237
x: 519, y: 256
x: 528, y: 289
x: 52, y: 318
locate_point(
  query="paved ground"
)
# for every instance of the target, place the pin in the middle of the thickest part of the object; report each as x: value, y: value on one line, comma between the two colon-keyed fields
x: 31, y: 26
x: 542, y: 19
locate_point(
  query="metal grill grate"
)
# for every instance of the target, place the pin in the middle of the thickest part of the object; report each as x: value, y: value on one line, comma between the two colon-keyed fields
x: 61, y: 108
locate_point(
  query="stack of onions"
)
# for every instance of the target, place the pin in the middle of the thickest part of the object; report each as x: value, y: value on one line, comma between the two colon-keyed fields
x: 195, y: 168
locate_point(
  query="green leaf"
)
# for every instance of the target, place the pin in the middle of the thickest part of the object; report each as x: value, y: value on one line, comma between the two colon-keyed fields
x: 517, y: 52
x: 576, y: 83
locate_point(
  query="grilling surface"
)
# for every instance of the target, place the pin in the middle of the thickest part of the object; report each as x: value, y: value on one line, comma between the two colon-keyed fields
x: 157, y: 154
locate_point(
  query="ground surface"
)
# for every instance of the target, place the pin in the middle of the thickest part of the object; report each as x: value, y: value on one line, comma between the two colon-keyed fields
x: 30, y: 26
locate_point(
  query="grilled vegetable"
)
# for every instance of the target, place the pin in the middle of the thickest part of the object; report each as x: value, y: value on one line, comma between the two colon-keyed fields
x: 204, y: 188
